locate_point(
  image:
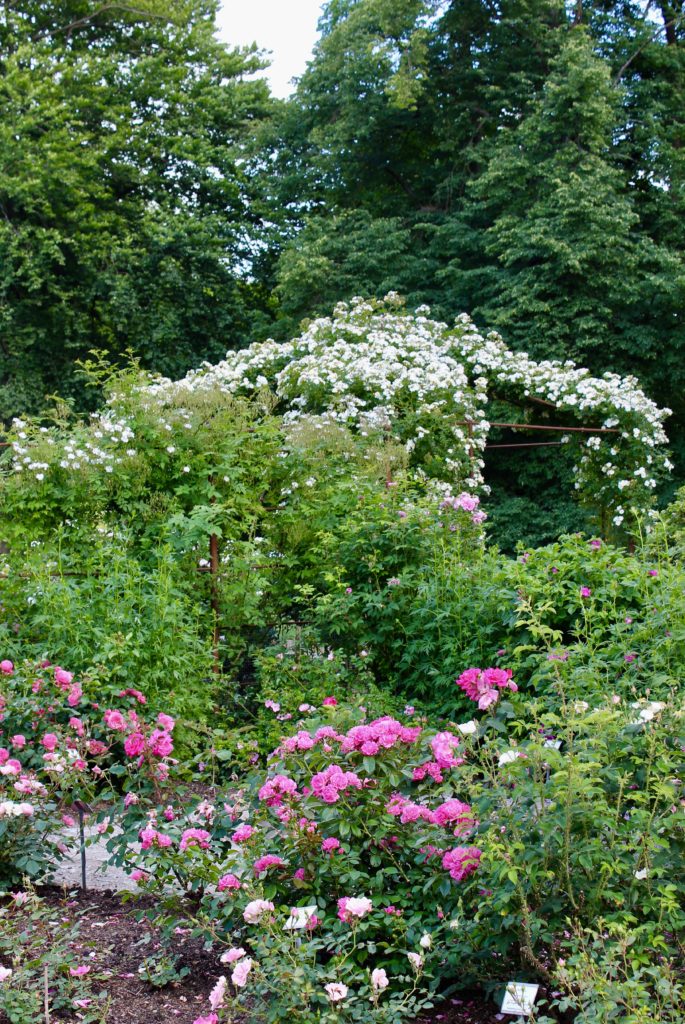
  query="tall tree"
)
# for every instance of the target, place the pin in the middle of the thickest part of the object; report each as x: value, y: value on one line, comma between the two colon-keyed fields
x: 560, y: 264
x: 124, y: 210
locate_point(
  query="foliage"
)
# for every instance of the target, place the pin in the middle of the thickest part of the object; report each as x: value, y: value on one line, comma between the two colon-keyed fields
x: 37, y: 963
x: 118, y: 621
x: 574, y: 815
x: 122, y: 194
x: 604, y: 981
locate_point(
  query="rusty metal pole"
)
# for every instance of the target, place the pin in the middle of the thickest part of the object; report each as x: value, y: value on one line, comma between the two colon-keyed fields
x: 214, y: 591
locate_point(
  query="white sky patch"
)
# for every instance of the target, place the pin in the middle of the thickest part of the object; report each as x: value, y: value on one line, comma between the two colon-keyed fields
x: 285, y: 27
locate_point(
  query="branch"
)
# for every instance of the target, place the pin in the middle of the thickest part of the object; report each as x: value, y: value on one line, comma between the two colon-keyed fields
x: 662, y: 28
x: 80, y: 22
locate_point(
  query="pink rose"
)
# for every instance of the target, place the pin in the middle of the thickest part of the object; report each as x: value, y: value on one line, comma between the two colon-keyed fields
x: 134, y: 744
x: 228, y: 881
x: 241, y: 971
x: 62, y: 678
x: 231, y: 955
x: 115, y: 720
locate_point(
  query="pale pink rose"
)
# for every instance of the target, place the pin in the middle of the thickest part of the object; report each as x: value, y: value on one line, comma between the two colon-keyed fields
x: 115, y: 720
x: 216, y: 996
x: 241, y: 971
x: 231, y: 955
x: 336, y: 991
x: 379, y: 979
x: 256, y: 909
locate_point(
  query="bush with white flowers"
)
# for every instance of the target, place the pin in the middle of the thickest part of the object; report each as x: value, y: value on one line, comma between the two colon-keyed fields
x: 386, y: 373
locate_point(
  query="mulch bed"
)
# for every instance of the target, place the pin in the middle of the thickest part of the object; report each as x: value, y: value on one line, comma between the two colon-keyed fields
x: 109, y: 942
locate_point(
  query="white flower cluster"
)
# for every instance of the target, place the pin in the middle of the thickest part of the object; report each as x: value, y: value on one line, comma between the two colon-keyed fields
x: 381, y: 371
x: 373, y: 366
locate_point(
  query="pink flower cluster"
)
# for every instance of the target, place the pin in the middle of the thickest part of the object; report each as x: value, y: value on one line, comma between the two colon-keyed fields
x: 150, y: 837
x: 484, y: 685
x: 332, y: 781
x: 243, y: 833
x: 407, y: 811
x: 382, y: 733
x: 451, y: 812
x: 269, y: 860
x: 462, y: 861
x: 199, y: 837
x: 275, y: 790
x: 454, y: 812
x: 467, y: 503
x: 157, y: 743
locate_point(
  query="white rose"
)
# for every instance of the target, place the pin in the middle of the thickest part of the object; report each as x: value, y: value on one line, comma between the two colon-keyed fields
x: 468, y: 728
x: 336, y: 991
x: 379, y: 979
x: 416, y: 960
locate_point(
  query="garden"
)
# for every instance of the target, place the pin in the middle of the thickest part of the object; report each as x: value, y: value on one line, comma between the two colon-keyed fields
x: 355, y: 763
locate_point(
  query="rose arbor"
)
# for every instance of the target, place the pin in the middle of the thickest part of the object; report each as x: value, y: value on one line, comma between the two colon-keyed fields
x: 375, y: 367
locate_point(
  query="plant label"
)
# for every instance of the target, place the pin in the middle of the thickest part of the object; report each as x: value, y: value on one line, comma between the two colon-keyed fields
x: 519, y: 998
x: 299, y: 918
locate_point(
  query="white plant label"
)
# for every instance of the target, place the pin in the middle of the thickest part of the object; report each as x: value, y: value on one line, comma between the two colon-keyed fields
x: 299, y: 918
x: 519, y: 998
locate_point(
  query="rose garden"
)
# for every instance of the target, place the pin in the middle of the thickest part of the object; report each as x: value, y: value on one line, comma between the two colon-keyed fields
x: 357, y: 760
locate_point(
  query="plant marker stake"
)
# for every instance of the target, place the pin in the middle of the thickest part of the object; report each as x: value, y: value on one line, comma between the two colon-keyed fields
x: 519, y: 999
x: 45, y: 996
x: 81, y: 809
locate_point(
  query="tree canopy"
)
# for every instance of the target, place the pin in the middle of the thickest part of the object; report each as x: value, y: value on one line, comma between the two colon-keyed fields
x: 124, y: 210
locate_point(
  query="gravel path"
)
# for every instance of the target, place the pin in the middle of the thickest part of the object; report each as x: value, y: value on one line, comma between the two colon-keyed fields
x: 100, y: 875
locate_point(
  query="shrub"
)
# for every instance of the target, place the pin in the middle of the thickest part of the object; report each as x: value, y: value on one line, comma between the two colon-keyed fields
x: 58, y: 747
x: 481, y: 843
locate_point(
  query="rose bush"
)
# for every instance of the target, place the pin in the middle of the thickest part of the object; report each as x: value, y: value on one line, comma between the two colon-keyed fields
x: 423, y: 854
x: 56, y: 747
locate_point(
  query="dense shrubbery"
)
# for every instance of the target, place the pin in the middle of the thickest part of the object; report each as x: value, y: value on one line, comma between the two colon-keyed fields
x: 304, y: 724
x: 475, y: 849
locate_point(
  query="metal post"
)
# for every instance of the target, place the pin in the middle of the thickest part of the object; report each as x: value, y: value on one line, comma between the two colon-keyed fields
x: 214, y: 569
x: 81, y: 809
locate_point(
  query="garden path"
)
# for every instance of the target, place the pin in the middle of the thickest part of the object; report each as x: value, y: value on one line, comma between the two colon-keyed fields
x: 100, y: 874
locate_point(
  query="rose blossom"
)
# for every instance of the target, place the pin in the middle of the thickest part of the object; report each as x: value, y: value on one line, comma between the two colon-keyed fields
x: 351, y: 907
x: 336, y: 991
x: 379, y: 979
x: 231, y: 955
x: 241, y: 971
x: 216, y: 996
x: 256, y: 909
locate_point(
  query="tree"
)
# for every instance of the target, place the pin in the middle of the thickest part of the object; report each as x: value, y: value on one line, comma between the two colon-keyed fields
x: 124, y: 209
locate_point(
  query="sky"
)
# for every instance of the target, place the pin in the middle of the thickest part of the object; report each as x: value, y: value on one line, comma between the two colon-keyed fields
x: 286, y: 27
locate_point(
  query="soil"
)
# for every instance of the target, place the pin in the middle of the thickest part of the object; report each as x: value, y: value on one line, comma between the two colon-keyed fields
x: 109, y: 941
